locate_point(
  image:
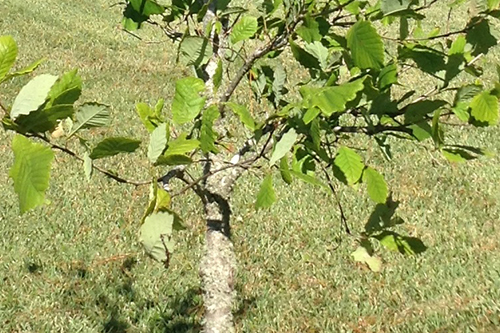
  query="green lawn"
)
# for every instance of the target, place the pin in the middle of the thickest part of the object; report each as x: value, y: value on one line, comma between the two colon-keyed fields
x: 75, y: 265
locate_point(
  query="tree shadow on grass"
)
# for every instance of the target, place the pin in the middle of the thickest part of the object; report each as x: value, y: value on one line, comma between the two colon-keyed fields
x: 115, y: 324
x: 181, y: 313
x: 114, y: 301
x: 379, y: 225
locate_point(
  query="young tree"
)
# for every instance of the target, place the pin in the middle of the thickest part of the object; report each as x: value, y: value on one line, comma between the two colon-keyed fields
x: 347, y: 85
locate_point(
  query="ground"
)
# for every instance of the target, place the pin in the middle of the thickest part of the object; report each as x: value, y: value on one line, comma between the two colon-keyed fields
x: 75, y: 265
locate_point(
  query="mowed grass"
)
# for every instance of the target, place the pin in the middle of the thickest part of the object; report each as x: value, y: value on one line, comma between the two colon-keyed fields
x: 75, y: 265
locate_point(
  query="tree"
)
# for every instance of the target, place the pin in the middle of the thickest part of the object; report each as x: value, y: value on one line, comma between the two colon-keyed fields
x: 308, y: 125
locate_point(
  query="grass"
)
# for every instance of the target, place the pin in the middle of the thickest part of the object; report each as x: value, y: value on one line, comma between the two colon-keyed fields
x: 74, y: 265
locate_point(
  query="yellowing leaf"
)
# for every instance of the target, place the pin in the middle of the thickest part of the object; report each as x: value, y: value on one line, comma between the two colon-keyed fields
x: 361, y: 255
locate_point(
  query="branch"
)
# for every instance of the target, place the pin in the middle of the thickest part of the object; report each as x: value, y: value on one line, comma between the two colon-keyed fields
x: 372, y: 130
x: 172, y: 34
x: 426, y: 5
x: 343, y: 219
x: 275, y: 44
x: 233, y: 164
x: 101, y: 170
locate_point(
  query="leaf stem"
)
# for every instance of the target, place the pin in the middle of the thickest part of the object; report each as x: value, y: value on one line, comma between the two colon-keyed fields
x: 101, y: 170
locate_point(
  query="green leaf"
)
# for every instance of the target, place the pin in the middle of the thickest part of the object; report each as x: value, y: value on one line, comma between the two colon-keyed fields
x: 366, y: 46
x: 8, y: 55
x: 304, y: 58
x: 270, y: 6
x: 402, y: 244
x: 138, y: 11
x: 284, y: 145
x: 309, y: 30
x: 207, y: 134
x: 163, y: 200
x: 181, y: 145
x: 376, y: 185
x: 218, y: 75
x: 391, y: 7
x: 484, y: 108
x: 195, y: 51
x: 315, y: 133
x: 173, y: 160
x: 30, y: 172
x: 244, y: 29
x: 461, y: 110
x: 114, y: 146
x: 437, y: 132
x: 87, y: 165
x: 23, y: 71
x: 242, y: 112
x: 187, y: 102
x: 361, y: 255
x: 350, y: 163
x: 153, y: 189
x: 149, y: 117
x: 157, y: 142
x: 45, y: 119
x: 467, y: 92
x: 279, y: 79
x: 159, y: 107
x: 388, y: 76
x: 266, y: 196
x: 308, y: 178
x: 66, y: 90
x: 147, y: 7
x: 32, y: 95
x: 156, y: 235
x: 403, y: 27
x: 493, y: 4
x: 331, y: 99
x: 285, y: 171
x: 90, y: 115
x: 310, y: 115
x: 458, y: 46
x: 320, y: 52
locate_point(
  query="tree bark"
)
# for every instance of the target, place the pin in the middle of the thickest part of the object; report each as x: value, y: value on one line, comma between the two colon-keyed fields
x: 218, y: 266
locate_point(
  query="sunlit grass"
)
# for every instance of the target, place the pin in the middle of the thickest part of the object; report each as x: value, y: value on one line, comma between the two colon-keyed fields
x: 74, y: 265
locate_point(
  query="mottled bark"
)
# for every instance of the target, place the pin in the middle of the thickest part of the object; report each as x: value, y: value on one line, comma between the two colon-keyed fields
x: 218, y: 266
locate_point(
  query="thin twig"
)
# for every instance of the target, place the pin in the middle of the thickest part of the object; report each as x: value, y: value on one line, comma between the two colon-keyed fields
x: 4, y: 109
x: 275, y: 44
x: 101, y: 170
x: 343, y: 219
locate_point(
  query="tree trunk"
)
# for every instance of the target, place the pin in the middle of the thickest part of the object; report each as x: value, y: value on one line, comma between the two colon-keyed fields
x: 218, y: 266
